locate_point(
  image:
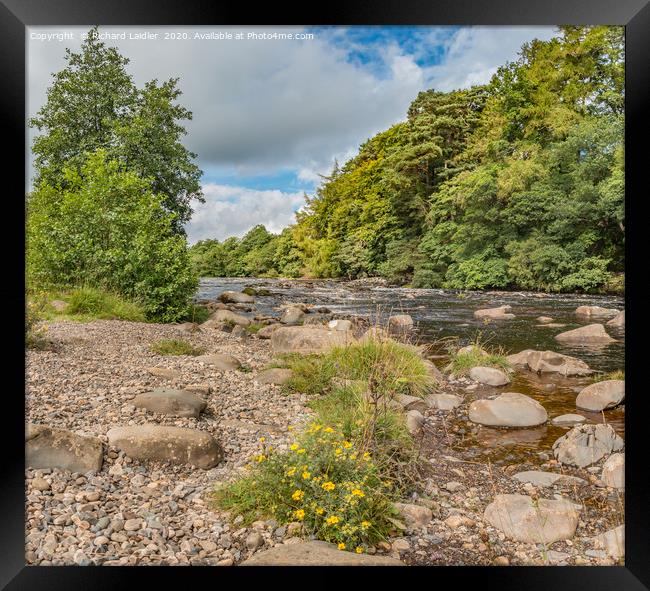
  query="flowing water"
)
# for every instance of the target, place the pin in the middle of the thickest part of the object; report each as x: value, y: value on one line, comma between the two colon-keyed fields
x: 443, y: 314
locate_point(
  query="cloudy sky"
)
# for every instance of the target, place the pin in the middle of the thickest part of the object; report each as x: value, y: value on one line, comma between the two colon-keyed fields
x: 272, y: 114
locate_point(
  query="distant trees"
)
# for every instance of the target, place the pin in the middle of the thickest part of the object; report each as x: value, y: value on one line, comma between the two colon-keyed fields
x: 518, y: 183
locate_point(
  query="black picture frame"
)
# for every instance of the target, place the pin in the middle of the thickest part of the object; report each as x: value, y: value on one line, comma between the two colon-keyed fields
x: 15, y: 15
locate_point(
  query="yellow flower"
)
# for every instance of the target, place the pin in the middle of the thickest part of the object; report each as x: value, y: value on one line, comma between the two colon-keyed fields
x: 341, y: 546
x: 290, y: 428
x: 347, y: 444
x: 300, y: 514
x: 359, y: 550
x: 320, y: 510
x: 365, y: 524
x: 338, y: 451
x: 352, y: 456
x: 332, y: 520
x: 358, y: 492
x: 260, y: 458
x: 262, y: 439
x: 328, y: 485
x: 293, y: 447
x: 328, y: 430
x: 301, y: 451
x: 366, y: 456
x: 298, y: 495
x: 306, y: 475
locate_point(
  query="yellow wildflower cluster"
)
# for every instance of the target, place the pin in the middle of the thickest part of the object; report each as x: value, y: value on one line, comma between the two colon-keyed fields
x: 332, y: 520
x: 329, y: 485
x: 298, y: 495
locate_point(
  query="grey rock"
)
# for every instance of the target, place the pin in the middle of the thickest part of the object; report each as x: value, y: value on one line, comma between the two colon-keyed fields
x: 50, y: 447
x: 490, y: 376
x: 176, y: 403
x: 220, y: 361
x: 234, y: 297
x: 275, y: 375
x: 614, y: 471
x: 500, y: 313
x: 590, y: 334
x: 568, y: 419
x: 544, y: 479
x: 509, y: 409
x: 601, y: 395
x: 308, y: 339
x: 586, y: 444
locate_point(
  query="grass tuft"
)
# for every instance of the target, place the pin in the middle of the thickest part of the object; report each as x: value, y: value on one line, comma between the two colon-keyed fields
x: 175, y: 347
x: 614, y: 375
x: 89, y: 303
x: 479, y: 355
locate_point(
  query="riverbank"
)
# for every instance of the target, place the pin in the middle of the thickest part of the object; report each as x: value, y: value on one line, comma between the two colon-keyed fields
x: 148, y: 512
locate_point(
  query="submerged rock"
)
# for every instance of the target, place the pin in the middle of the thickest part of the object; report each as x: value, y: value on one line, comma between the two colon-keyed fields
x: 509, y: 409
x: 595, y: 312
x: 316, y: 553
x: 586, y: 444
x: 568, y: 419
x: 175, y: 444
x: 50, y: 447
x: 601, y: 395
x: 618, y: 321
x: 549, y: 362
x: 540, y: 521
x: 590, y: 334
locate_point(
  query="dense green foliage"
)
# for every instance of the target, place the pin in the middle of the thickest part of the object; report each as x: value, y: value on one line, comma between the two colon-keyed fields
x: 106, y: 228
x: 93, y: 103
x: 518, y: 183
x: 112, y: 191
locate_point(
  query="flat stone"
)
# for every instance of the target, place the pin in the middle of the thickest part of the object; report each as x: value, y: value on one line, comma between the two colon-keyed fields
x: 308, y: 339
x: 176, y: 403
x: 490, y: 376
x: 500, y: 313
x: 175, y: 444
x: 544, y: 479
x: 50, y: 447
x: 235, y: 297
x: 509, y: 409
x: 612, y: 541
x: 275, y: 375
x: 220, y: 361
x: 164, y: 372
x: 614, y: 471
x: 523, y: 519
x: 414, y: 421
x: 568, y: 419
x: 228, y: 317
x: 415, y: 516
x: 586, y: 444
x: 601, y: 395
x: 316, y: 553
x: 411, y: 402
x: 590, y: 334
x: 40, y: 484
x: 443, y: 401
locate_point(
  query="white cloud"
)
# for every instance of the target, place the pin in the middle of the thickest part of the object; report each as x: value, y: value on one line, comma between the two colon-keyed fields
x: 232, y: 211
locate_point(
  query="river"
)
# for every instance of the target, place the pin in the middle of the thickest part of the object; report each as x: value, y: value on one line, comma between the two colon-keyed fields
x: 441, y: 314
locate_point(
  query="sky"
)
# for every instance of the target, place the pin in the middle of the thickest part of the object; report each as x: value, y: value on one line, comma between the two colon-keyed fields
x: 274, y: 107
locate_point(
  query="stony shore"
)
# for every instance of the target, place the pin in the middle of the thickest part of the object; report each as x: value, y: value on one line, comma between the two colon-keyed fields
x: 137, y: 513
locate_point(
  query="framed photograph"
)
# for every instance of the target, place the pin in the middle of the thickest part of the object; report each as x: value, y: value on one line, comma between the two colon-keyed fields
x: 347, y: 293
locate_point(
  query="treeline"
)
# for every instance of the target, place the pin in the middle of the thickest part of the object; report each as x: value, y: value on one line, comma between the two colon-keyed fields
x: 517, y: 183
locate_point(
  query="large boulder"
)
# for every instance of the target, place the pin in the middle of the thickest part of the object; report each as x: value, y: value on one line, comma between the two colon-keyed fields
x: 500, y: 313
x: 586, y: 444
x: 228, y: 317
x: 509, y: 409
x: 544, y: 479
x: 585, y: 335
x: 601, y: 395
x: 612, y: 541
x: 235, y: 297
x: 316, y: 553
x: 540, y: 521
x: 490, y: 376
x: 308, y: 339
x: 50, y: 447
x: 400, y: 323
x: 614, y: 471
x: 275, y: 375
x: 220, y: 361
x: 549, y: 362
x: 176, y: 403
x: 595, y: 312
x: 174, y: 444
x: 339, y: 324
x: 618, y: 321
x: 292, y: 315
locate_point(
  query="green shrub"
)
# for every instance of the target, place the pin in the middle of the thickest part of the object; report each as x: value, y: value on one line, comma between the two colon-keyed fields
x: 175, y: 347
x: 254, y: 327
x: 88, y: 302
x: 35, y: 312
x: 325, y: 481
x: 196, y: 313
